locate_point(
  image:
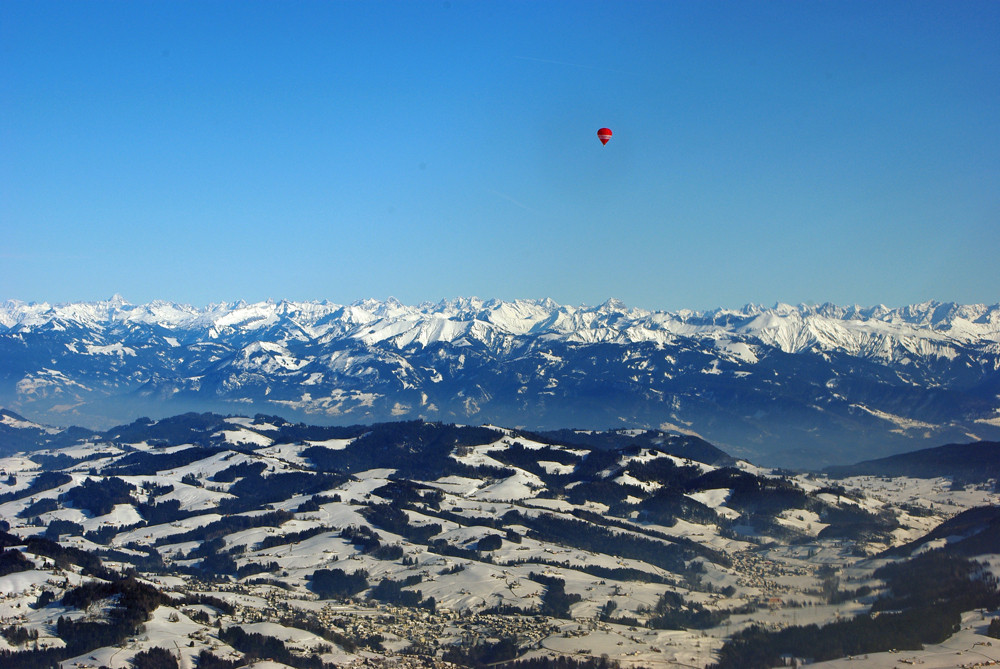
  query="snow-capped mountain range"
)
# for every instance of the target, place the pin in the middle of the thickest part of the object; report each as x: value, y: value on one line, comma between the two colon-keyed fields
x: 792, y: 385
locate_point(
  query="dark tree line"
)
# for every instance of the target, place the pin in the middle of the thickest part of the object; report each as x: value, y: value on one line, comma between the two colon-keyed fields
x: 151, y: 561
x: 313, y: 503
x: 146, y: 463
x: 273, y: 540
x: 59, y: 526
x: 43, y: 505
x: 516, y: 455
x: 43, y: 658
x: 927, y: 596
x: 337, y: 584
x: 208, y: 600
x: 251, y: 568
x: 207, y: 660
x: 751, y: 493
x: 664, y: 471
x: 167, y: 511
x: 253, y: 492
x: 99, y: 496
x: 188, y: 428
x: 134, y: 602
x: 241, y: 470
x: 389, y: 591
x: 555, y: 600
x: 415, y: 449
x: 17, y: 635
x: 586, y: 536
x: 154, y: 658
x: 228, y: 525
x: 402, y: 491
x: 256, y: 646
x: 610, y: 573
x: 564, y: 662
x: 41, y: 483
x: 395, y: 520
x: 13, y: 561
x: 667, y: 504
x: 482, y: 654
x: 672, y: 612
x: 64, y: 556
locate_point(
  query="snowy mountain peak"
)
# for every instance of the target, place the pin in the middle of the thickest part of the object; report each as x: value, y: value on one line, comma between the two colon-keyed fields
x: 790, y: 328
x: 756, y: 376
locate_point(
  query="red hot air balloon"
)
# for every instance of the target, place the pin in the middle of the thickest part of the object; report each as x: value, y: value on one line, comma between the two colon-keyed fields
x: 604, y: 134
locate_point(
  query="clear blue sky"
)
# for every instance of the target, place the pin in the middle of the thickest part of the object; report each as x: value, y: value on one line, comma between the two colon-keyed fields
x: 763, y: 151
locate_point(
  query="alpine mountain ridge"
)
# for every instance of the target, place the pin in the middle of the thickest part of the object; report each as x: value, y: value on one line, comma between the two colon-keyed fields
x: 791, y: 385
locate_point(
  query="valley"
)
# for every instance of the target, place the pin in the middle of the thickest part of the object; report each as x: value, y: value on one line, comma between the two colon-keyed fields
x: 402, y: 544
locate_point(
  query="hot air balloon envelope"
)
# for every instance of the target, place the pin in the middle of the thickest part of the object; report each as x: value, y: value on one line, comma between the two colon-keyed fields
x: 604, y: 134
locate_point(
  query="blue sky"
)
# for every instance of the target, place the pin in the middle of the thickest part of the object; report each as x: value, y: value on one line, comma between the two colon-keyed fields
x: 763, y: 151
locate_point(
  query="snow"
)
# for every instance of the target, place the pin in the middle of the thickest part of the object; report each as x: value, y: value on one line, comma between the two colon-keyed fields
x: 206, y: 467
x: 970, y: 647
x: 152, y: 533
x: 332, y: 444
x: 930, y: 329
x: 713, y: 498
x: 521, y: 485
x: 645, y: 455
x: 295, y: 639
x: 555, y: 467
x: 23, y: 580
x: 314, y: 379
x: 804, y: 521
x: 249, y: 424
x: 191, y: 497
x: 287, y: 453
x: 628, y: 479
x: 120, y: 515
x: 477, y: 456
x: 457, y: 485
x: 994, y: 420
x: 903, y: 423
x: 45, y: 382
x: 739, y: 350
x: 11, y: 421
x: 332, y: 405
x: 687, y: 462
x: 751, y: 468
x: 111, y: 349
x: 363, y: 483
x: 246, y: 437
x: 20, y: 467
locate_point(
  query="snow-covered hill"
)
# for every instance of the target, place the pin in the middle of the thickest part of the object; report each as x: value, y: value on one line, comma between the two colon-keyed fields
x: 410, y: 544
x: 803, y: 385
